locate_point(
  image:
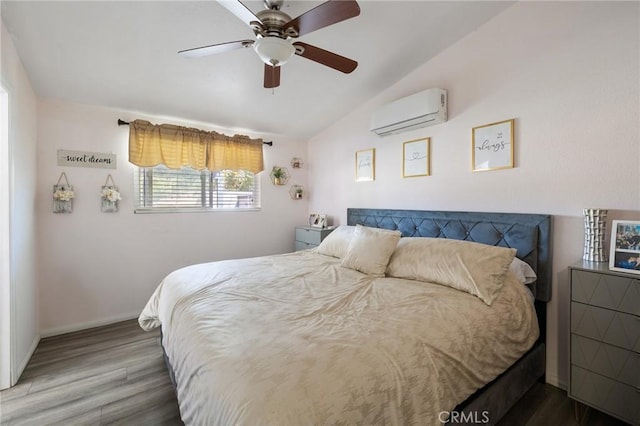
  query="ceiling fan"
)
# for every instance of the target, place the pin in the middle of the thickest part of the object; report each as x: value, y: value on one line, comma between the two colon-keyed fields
x: 275, y: 33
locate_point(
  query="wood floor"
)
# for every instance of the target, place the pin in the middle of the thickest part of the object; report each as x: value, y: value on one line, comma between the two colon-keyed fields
x: 115, y: 375
x: 112, y: 375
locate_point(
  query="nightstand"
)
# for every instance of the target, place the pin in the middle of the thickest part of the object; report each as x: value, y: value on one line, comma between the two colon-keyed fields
x: 604, y: 342
x: 309, y: 237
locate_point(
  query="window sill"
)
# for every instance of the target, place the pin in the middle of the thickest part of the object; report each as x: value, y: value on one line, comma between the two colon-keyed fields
x: 152, y: 210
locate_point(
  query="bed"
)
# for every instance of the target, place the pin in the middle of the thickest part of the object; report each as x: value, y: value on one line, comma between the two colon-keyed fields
x: 336, y: 335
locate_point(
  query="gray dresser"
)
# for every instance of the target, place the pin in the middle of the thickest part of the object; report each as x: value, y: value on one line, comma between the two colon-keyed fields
x: 604, y: 347
x: 308, y: 237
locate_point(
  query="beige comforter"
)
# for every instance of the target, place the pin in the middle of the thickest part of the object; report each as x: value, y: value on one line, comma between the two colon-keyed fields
x: 296, y: 339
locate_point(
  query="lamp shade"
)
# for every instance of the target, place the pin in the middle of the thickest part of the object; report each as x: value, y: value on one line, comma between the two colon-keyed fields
x: 274, y: 50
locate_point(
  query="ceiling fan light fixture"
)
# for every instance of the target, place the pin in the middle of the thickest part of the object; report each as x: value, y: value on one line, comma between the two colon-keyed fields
x: 274, y: 51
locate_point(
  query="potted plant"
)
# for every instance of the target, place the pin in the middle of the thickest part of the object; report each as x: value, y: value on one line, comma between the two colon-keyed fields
x: 278, y: 175
x: 299, y: 192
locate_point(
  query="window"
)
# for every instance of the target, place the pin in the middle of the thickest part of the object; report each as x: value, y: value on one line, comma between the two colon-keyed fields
x: 162, y: 189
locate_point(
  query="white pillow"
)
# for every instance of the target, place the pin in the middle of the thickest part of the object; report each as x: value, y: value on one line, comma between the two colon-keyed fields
x: 478, y: 269
x: 337, y: 242
x: 522, y: 271
x: 370, y: 249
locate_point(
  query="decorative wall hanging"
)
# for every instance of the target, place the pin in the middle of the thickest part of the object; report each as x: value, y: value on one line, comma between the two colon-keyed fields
x: 416, y: 158
x: 366, y: 165
x: 87, y: 159
x: 296, y: 163
x: 296, y: 192
x: 279, y: 175
x: 492, y: 146
x: 594, y: 232
x: 63, y: 195
x: 110, y: 196
x: 625, y: 246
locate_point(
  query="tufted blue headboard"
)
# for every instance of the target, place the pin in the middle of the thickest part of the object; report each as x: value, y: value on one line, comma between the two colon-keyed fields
x: 530, y: 234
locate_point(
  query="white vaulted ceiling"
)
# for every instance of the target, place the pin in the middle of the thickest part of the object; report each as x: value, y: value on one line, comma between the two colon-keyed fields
x: 123, y: 54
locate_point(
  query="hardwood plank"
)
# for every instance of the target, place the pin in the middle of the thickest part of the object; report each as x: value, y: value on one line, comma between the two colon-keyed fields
x: 65, y: 394
x: 545, y: 405
x: 69, y: 352
x: 90, y: 417
x: 19, y: 390
x: 140, y: 406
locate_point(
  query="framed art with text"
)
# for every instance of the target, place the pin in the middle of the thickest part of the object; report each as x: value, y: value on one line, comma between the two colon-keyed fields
x: 492, y: 146
x: 366, y: 165
x: 416, y: 158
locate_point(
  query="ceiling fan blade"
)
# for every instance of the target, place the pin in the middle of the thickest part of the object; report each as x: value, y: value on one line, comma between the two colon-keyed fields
x: 198, y: 52
x: 271, y: 76
x: 328, y: 13
x: 240, y: 10
x: 325, y: 57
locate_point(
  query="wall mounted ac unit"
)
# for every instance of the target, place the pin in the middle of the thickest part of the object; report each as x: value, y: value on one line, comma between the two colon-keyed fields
x: 422, y: 109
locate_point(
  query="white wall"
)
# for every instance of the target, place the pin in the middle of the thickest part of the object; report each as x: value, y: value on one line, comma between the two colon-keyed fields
x: 100, y: 267
x: 569, y: 75
x: 22, y: 189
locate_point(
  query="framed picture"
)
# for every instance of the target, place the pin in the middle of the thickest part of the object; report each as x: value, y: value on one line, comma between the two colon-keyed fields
x: 317, y: 220
x: 365, y: 165
x: 416, y: 158
x: 492, y: 146
x: 625, y: 246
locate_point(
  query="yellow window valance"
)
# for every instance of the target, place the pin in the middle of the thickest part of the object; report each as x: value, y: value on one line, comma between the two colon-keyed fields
x: 177, y: 147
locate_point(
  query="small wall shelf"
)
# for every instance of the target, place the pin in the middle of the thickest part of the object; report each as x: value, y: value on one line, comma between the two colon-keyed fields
x: 296, y: 192
x: 279, y: 175
x: 297, y: 163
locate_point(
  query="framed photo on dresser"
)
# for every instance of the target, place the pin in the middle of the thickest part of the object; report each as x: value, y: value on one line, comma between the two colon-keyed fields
x: 317, y: 220
x: 625, y: 246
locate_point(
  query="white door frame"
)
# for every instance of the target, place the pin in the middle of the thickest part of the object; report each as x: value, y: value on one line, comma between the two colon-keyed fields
x: 6, y: 290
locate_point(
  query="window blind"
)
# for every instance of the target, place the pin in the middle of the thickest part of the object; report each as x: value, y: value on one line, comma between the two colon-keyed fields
x: 160, y: 188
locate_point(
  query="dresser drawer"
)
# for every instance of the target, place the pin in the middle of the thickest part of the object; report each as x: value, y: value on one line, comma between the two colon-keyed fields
x: 307, y: 235
x: 301, y: 245
x: 610, y: 361
x: 605, y: 394
x: 312, y: 235
x: 615, y: 328
x: 606, y: 290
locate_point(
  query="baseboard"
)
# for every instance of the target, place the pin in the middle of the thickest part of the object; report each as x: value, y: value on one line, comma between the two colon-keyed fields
x: 89, y: 324
x: 25, y: 361
x: 555, y: 381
